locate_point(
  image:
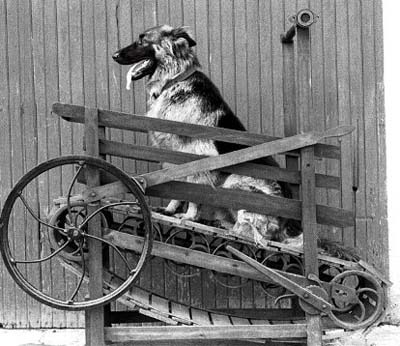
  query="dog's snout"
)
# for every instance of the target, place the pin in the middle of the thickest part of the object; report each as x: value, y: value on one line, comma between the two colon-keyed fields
x: 115, y: 56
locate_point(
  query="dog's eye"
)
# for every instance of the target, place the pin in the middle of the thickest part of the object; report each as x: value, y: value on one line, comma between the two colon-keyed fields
x: 141, y: 39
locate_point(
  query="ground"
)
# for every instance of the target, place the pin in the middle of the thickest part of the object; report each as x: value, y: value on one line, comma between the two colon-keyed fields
x: 387, y: 334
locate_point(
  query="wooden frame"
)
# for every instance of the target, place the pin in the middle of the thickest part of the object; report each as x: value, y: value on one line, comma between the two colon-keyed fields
x: 305, y: 147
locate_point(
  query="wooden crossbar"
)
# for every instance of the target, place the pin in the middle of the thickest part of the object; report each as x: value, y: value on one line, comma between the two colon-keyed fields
x: 153, y: 154
x: 238, y: 332
x: 243, y: 155
x: 126, y: 121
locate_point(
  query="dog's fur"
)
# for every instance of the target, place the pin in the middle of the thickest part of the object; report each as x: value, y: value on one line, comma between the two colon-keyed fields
x: 162, y: 53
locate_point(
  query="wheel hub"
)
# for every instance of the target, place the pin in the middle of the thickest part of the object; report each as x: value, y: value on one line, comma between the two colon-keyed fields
x: 74, y: 233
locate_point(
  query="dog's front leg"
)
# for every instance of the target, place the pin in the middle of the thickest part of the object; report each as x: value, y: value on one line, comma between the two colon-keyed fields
x: 191, y: 213
x: 172, y: 207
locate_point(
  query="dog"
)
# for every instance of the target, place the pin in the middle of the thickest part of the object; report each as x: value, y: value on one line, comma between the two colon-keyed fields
x: 179, y: 91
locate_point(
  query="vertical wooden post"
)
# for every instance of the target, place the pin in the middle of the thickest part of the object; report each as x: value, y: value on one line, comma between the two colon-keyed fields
x: 309, y: 216
x: 94, y: 318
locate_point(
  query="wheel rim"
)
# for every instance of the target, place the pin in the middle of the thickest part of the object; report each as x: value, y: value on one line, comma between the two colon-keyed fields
x: 19, y: 202
x: 362, y: 306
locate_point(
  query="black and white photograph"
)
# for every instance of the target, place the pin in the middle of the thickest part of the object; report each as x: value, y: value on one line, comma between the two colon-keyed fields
x: 199, y: 172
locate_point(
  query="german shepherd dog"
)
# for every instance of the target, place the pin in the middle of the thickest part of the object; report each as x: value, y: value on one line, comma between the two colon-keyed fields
x: 179, y: 91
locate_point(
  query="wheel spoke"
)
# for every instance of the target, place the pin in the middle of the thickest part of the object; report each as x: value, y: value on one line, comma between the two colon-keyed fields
x: 70, y: 189
x: 92, y: 215
x: 45, y: 258
x: 114, y: 247
x: 367, y: 289
x: 363, y: 312
x: 22, y: 198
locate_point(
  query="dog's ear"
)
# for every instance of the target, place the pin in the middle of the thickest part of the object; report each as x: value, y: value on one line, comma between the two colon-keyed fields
x: 182, y: 33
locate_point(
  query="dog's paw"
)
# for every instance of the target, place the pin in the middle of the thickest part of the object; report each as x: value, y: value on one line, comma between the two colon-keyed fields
x: 184, y: 217
x: 162, y: 210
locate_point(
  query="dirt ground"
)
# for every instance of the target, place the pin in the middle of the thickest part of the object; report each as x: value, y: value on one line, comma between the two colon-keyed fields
x: 387, y: 334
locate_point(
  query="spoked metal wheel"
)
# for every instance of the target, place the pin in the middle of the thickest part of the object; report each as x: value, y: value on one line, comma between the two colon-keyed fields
x: 357, y: 298
x: 40, y: 269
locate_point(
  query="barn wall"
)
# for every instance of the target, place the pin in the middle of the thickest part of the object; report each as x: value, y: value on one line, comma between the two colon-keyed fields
x: 61, y: 51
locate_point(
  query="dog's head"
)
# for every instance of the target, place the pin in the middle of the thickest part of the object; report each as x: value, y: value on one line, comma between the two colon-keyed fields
x: 154, y: 48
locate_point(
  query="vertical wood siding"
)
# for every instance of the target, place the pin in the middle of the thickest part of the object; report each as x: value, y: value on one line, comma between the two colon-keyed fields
x: 61, y: 51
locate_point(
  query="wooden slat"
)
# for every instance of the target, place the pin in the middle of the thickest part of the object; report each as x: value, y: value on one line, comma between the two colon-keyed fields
x: 220, y: 320
x: 160, y: 304
x: 7, y: 300
x: 381, y: 134
x: 238, y: 321
x: 196, y: 258
x: 200, y: 317
x: 17, y: 147
x: 181, y: 311
x: 243, y: 155
x: 125, y: 334
x: 307, y: 165
x: 94, y: 318
x: 255, y: 170
x: 132, y: 122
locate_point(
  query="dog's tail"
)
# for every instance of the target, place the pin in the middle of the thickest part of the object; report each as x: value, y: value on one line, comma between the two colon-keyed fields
x: 325, y: 246
x: 337, y: 250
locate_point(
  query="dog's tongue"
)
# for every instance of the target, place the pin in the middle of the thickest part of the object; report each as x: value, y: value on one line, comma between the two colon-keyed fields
x: 135, y: 72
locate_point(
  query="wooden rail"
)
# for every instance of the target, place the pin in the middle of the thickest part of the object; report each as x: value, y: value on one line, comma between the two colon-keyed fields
x: 244, y: 155
x: 152, y: 154
x: 125, y: 121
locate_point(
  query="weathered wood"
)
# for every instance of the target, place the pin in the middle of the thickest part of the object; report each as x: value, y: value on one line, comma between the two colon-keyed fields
x: 122, y: 334
x: 243, y: 155
x: 153, y: 154
x: 307, y: 165
x: 196, y: 258
x: 234, y: 199
x: 94, y: 317
x: 139, y: 123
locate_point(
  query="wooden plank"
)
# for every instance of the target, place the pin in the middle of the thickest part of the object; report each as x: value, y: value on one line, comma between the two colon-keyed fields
x: 124, y: 334
x: 181, y: 311
x: 254, y: 170
x: 132, y: 122
x: 307, y: 164
x: 191, y: 343
x: 53, y: 145
x: 357, y: 104
x: 197, y: 258
x: 276, y: 26
x: 29, y: 132
x: 160, y: 304
x: 8, y: 286
x: 220, y: 320
x: 200, y: 317
x: 17, y: 149
x: 94, y: 318
x: 77, y: 96
x: 40, y: 85
x: 330, y: 97
x: 370, y: 128
x: 243, y: 155
x: 238, y: 321
x: 381, y: 144
x: 344, y: 114
x: 234, y: 199
x: 66, y: 136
